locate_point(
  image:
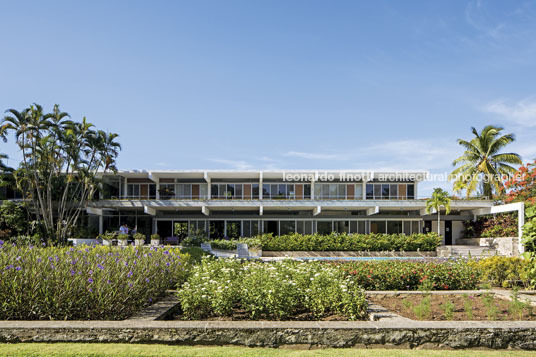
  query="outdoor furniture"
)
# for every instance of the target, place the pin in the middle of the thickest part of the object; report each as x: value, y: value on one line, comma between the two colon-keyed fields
x: 242, y: 251
x: 206, y: 247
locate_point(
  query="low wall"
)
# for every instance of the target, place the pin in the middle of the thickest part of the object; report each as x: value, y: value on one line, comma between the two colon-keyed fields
x: 341, y: 253
x: 301, y: 334
x: 505, y: 246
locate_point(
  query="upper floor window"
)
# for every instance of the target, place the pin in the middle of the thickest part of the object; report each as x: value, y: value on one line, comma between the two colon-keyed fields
x: 141, y: 191
x: 286, y: 191
x: 390, y: 191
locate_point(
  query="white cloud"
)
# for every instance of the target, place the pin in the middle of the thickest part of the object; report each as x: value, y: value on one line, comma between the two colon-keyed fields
x: 522, y: 112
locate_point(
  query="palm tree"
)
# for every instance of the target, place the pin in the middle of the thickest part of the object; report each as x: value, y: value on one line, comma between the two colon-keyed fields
x: 440, y: 198
x: 483, y: 163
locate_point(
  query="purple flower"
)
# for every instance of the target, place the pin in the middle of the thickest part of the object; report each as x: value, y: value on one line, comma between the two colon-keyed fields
x: 166, y: 252
x: 90, y: 290
x: 91, y: 272
x: 90, y: 280
x: 147, y: 279
x: 129, y: 274
x: 73, y: 272
x: 100, y: 267
x: 1, y: 242
x: 18, y: 268
x: 39, y: 260
x: 108, y: 282
x: 130, y: 284
x: 9, y: 267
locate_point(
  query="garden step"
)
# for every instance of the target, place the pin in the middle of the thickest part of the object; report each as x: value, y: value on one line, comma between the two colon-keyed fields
x: 474, y: 251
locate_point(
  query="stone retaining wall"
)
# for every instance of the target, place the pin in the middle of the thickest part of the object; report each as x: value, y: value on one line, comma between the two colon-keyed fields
x: 505, y: 246
x: 361, y: 334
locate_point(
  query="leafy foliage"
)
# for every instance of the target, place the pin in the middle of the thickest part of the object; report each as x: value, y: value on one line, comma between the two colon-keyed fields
x: 502, y: 225
x: 503, y: 271
x: 90, y: 283
x: 276, y: 290
x: 13, y: 220
x: 409, y: 275
x: 521, y: 187
x: 60, y: 159
x: 483, y: 165
x: 231, y: 244
x: 357, y: 242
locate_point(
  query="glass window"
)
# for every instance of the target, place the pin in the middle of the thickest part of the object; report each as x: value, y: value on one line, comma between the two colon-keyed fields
x: 273, y: 191
x: 282, y: 191
x: 394, y: 227
x: 377, y: 227
x: 254, y: 228
x: 411, y: 191
x: 333, y: 190
x: 287, y: 227
x: 325, y: 191
x: 238, y: 191
x: 308, y: 227
x: 255, y: 190
x: 271, y: 227
x: 318, y: 191
x: 306, y: 191
x: 324, y: 227
x: 290, y: 191
x: 393, y: 192
x: 246, y: 229
x: 353, y: 226
x: 300, y: 227
x: 342, y: 192
x: 234, y: 229
x: 203, y: 191
x: 214, y: 191
x: 377, y: 192
x: 361, y: 227
x: 133, y: 190
x: 370, y: 191
x: 222, y: 191
x: 265, y: 191
x: 414, y: 227
x: 358, y: 191
x: 230, y: 191
x: 407, y: 227
x: 385, y: 192
x: 341, y: 226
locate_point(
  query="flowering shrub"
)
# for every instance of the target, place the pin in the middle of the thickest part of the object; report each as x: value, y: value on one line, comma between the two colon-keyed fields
x: 504, y: 271
x: 279, y: 290
x: 231, y: 244
x: 358, y: 242
x: 95, y: 283
x: 408, y: 275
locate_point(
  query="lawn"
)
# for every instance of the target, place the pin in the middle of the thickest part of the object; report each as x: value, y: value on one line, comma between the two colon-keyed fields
x: 98, y: 349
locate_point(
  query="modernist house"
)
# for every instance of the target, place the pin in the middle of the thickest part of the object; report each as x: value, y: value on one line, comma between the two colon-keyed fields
x: 245, y: 203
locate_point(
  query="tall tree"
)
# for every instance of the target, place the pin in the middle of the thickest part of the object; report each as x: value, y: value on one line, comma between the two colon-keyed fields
x: 440, y: 198
x: 60, y: 160
x: 483, y: 164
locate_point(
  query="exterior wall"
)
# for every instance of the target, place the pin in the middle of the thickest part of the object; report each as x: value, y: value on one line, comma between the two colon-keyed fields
x: 457, y: 231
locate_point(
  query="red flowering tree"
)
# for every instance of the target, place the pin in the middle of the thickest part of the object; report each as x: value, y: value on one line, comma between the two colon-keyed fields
x: 521, y: 187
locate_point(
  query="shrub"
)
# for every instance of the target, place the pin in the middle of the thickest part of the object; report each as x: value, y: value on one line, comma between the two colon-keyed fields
x: 231, y: 244
x: 502, y: 225
x: 357, y: 242
x: 90, y: 283
x: 504, y: 271
x: 408, y: 275
x: 276, y: 290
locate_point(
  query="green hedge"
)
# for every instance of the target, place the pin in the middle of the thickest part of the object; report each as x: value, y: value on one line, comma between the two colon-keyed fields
x: 355, y: 242
x: 225, y: 244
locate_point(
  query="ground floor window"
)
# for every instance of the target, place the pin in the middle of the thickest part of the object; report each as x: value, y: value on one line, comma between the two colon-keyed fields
x: 233, y: 229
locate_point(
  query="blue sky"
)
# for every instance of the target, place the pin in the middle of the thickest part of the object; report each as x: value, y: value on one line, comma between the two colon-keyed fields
x: 278, y: 84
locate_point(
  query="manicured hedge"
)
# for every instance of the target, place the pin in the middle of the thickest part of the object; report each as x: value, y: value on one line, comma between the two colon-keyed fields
x: 410, y: 275
x: 89, y: 283
x: 278, y: 290
x: 356, y: 242
x: 225, y: 244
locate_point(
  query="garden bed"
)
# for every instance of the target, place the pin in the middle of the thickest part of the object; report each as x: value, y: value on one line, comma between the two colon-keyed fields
x: 483, y: 306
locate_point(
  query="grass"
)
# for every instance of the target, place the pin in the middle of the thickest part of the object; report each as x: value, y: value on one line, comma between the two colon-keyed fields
x: 101, y: 349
